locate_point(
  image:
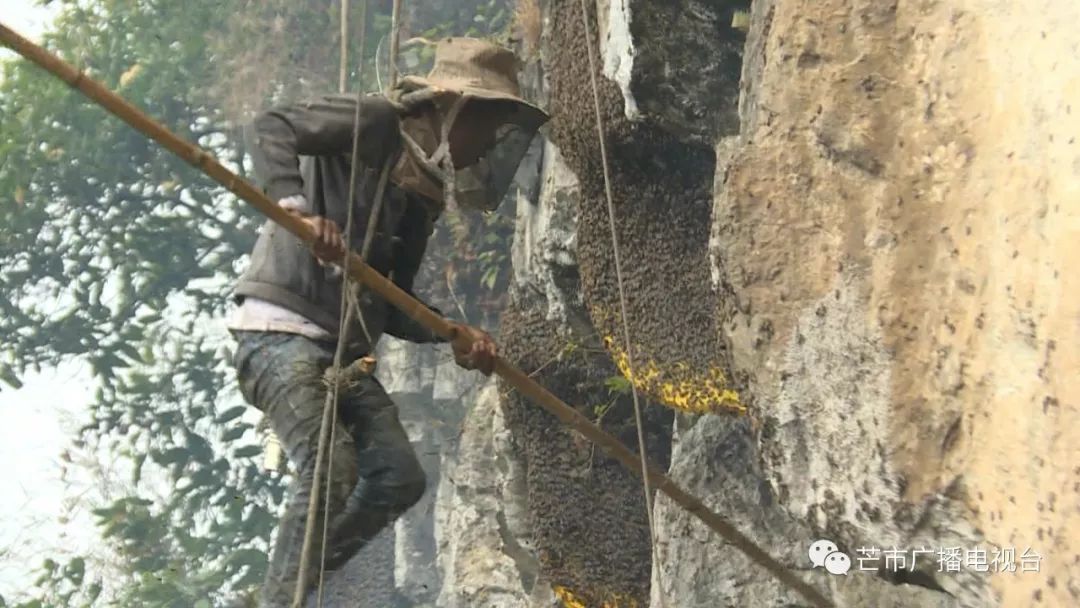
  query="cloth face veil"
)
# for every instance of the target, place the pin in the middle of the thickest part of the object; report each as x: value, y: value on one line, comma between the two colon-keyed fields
x: 481, y: 184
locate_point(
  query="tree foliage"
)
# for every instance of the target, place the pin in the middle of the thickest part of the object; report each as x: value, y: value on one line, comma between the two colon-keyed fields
x: 121, y: 255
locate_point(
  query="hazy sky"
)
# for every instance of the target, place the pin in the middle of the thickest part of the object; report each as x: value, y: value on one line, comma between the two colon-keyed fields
x: 25, y: 17
x: 37, y: 420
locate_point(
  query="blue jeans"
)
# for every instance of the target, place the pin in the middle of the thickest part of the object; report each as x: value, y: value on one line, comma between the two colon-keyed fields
x: 376, y: 476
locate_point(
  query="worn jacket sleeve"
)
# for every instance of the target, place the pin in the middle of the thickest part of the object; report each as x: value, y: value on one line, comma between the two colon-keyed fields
x: 414, y: 230
x: 322, y: 126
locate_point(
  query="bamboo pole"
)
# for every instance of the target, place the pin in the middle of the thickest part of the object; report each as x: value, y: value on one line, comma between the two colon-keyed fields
x: 360, y: 271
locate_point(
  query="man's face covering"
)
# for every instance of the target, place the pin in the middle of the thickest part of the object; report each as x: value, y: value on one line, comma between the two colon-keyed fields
x: 476, y: 155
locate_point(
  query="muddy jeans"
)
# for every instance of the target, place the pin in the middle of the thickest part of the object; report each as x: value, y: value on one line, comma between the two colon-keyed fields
x: 375, y: 478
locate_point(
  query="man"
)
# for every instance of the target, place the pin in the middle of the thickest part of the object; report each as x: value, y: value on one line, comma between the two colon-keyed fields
x: 454, y: 137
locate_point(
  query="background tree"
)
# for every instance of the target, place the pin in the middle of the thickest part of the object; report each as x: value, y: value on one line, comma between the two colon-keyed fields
x: 121, y: 255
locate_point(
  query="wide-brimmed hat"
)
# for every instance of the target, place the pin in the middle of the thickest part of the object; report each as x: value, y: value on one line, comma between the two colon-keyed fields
x: 480, y: 70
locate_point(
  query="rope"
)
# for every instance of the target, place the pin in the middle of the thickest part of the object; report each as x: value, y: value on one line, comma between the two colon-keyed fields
x: 378, y: 77
x: 361, y: 40
x: 345, y: 320
x: 395, y: 25
x: 408, y: 305
x: 646, y: 483
x: 343, y: 66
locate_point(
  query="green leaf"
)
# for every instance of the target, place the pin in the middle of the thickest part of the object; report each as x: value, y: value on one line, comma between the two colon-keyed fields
x: 231, y: 414
x: 199, y: 447
x: 248, y: 557
x: 109, y: 363
x: 248, y: 451
x: 491, y: 276
x: 171, y: 456
x: 129, y: 351
x: 93, y: 592
x: 8, y: 376
x: 234, y: 433
x: 76, y: 569
x: 204, y: 477
x: 137, y: 468
x: 617, y: 384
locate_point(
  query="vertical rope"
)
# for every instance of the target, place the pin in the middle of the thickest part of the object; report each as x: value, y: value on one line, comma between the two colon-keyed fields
x: 361, y: 40
x: 328, y: 426
x: 378, y: 77
x: 395, y: 26
x: 622, y: 295
x: 343, y: 68
x: 345, y: 321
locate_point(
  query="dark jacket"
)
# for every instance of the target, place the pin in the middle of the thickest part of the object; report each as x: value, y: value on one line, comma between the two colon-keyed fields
x: 305, y: 149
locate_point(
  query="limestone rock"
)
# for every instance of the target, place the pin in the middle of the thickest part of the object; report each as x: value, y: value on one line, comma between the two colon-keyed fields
x: 714, y: 457
x: 480, y: 551
x: 404, y: 367
x: 368, y: 577
x: 675, y: 63
x: 892, y: 238
x: 544, y: 252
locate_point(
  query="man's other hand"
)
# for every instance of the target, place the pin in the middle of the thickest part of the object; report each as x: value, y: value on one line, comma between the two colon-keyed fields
x: 473, y: 348
x: 328, y: 246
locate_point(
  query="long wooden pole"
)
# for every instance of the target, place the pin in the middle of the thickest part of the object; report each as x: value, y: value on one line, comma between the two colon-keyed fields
x: 360, y: 271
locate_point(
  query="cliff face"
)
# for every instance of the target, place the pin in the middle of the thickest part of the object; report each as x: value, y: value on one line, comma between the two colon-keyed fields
x: 845, y: 232
x: 888, y: 298
x: 890, y: 242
